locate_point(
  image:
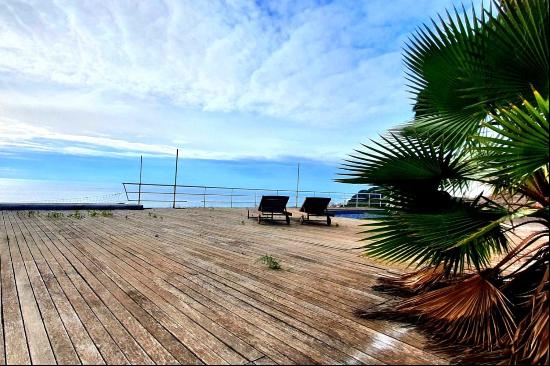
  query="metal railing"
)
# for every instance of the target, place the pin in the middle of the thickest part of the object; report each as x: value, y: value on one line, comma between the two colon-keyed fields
x: 175, y: 195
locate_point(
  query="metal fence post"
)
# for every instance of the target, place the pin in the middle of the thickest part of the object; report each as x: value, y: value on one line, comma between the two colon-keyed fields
x: 204, y: 198
x: 369, y: 200
x: 140, y: 170
x: 232, y: 197
x: 357, y: 200
x: 175, y: 179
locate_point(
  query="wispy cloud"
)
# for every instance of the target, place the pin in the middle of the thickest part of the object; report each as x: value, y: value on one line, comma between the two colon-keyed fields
x: 23, y: 135
x: 124, y: 77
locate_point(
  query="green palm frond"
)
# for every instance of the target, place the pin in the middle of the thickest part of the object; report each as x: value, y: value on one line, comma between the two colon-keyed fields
x: 466, y: 235
x: 407, y: 164
x: 518, y: 146
x: 463, y: 68
x: 478, y: 119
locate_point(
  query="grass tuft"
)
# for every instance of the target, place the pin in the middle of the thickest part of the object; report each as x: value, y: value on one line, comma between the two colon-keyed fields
x: 270, y: 262
x: 76, y: 215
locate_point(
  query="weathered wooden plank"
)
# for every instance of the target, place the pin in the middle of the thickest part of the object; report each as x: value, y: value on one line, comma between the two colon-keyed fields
x: 290, y: 288
x: 3, y: 238
x: 260, y: 322
x: 186, y: 286
x: 16, y: 349
x: 69, y: 281
x: 263, y: 325
x: 40, y: 349
x: 61, y: 344
x: 203, y: 344
x: 414, y: 356
x: 84, y: 346
x: 177, y: 297
x: 330, y: 293
x: 94, y: 275
x: 383, y: 343
x: 120, y: 335
x: 159, y: 287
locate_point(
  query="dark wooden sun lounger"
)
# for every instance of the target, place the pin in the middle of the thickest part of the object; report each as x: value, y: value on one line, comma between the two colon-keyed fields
x: 272, y: 206
x: 315, y: 206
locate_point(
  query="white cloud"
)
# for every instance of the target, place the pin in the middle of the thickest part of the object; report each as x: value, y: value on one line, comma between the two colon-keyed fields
x: 206, y: 54
x: 114, y: 74
x: 17, y: 134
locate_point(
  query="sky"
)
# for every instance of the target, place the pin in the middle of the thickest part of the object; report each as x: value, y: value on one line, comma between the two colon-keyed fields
x: 242, y: 88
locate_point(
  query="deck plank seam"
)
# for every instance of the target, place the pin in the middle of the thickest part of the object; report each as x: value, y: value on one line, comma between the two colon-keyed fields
x: 62, y: 234
x: 17, y: 292
x: 277, y: 318
x: 64, y: 294
x: 40, y: 310
x: 206, y: 330
x: 80, y: 296
x: 159, y: 323
x: 50, y: 296
x: 360, y: 323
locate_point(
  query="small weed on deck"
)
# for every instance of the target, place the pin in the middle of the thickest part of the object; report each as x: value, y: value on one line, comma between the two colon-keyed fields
x: 270, y: 262
x: 102, y: 213
x: 55, y: 215
x: 76, y: 215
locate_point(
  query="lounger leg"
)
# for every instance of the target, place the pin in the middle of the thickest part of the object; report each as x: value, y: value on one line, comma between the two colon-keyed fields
x: 329, y: 221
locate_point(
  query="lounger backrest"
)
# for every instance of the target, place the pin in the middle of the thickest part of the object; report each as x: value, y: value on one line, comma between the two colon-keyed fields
x: 315, y: 205
x: 273, y: 203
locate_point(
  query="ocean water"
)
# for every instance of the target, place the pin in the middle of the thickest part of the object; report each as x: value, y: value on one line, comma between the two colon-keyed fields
x: 29, y: 190
x: 36, y: 190
x: 48, y: 177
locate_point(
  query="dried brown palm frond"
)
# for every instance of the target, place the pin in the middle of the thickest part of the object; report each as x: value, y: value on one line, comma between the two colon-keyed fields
x: 413, y: 283
x: 525, y: 276
x: 480, y: 356
x: 472, y: 311
x: 514, y: 256
x: 532, y: 338
x: 537, y: 187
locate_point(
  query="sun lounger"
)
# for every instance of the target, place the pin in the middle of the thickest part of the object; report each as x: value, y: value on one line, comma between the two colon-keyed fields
x: 271, y: 207
x: 315, y: 206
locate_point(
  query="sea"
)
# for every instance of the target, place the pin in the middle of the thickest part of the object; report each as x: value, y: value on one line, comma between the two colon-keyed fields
x: 66, y: 178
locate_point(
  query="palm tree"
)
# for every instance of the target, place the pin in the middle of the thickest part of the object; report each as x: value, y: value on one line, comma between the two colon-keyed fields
x: 480, y: 83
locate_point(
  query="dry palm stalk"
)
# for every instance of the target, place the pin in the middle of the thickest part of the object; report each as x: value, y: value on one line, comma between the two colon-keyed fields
x: 472, y: 311
x: 531, y: 340
x: 413, y: 283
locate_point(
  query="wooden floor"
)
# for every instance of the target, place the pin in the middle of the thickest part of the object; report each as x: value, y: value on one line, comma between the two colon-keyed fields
x: 185, y: 286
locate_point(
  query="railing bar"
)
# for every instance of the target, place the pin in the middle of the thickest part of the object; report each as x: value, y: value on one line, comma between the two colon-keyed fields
x: 338, y: 198
x: 240, y: 188
x: 125, y: 192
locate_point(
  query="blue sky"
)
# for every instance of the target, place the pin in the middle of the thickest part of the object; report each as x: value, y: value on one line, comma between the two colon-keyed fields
x: 88, y: 86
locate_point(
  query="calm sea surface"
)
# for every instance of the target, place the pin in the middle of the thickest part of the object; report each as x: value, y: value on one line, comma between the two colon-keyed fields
x: 27, y: 190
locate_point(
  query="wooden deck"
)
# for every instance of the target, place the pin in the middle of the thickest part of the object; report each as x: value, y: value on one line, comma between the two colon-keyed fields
x: 186, y: 286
